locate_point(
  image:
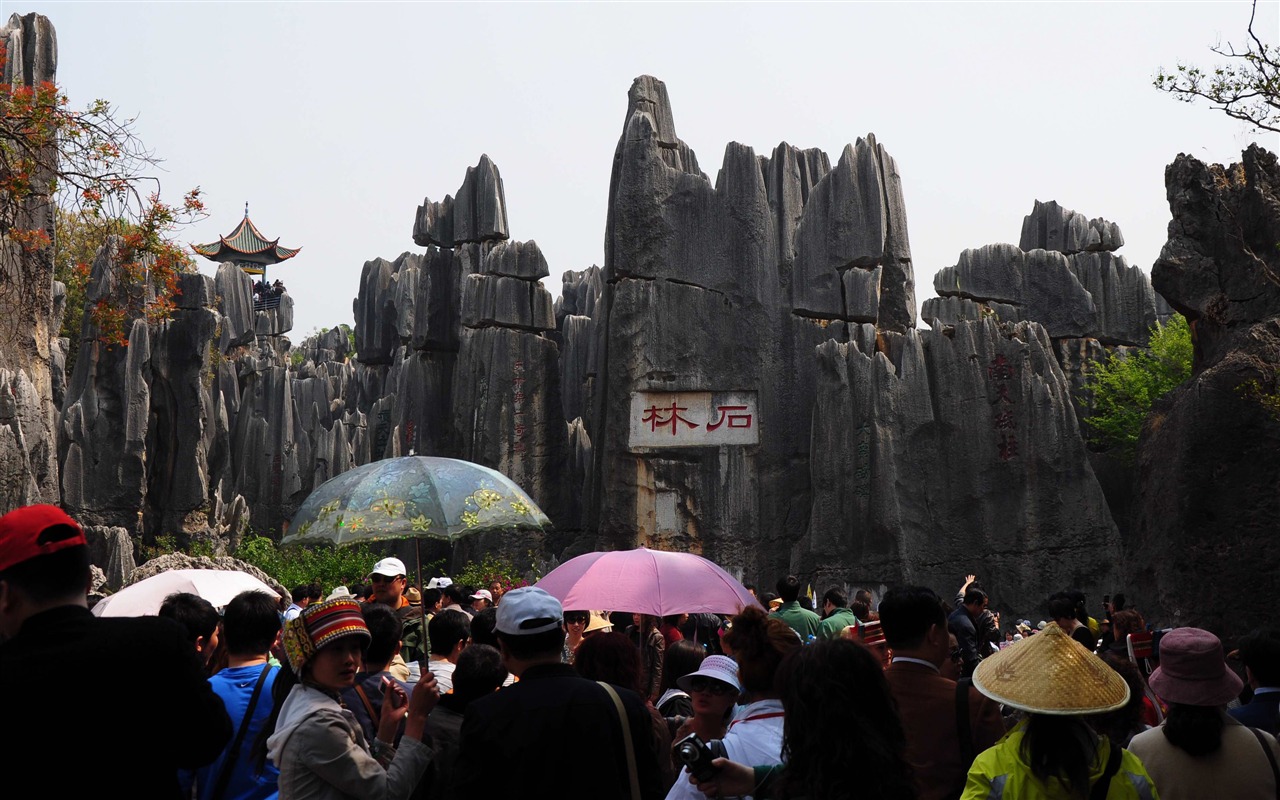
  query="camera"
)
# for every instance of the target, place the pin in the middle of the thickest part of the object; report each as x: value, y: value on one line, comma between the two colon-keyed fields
x: 697, y: 755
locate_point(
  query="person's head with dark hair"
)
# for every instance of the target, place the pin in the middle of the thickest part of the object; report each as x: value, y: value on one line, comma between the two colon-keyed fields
x: 384, y: 633
x: 833, y: 598
x: 914, y: 623
x: 1118, y: 602
x: 454, y: 595
x: 482, y: 627
x: 860, y: 610
x: 680, y: 659
x: 250, y: 624
x: 44, y: 564
x: 750, y: 587
x: 863, y: 596
x: 975, y: 601
x: 788, y: 588
x: 479, y: 672
x: 1126, y: 622
x: 1062, y: 609
x: 197, y: 617
x: 306, y: 593
x: 530, y: 628
x: 1119, y: 726
x: 612, y: 658
x: 759, y: 643
x: 431, y: 600
x: 1260, y: 654
x: 1079, y: 604
x: 839, y: 712
x: 449, y: 632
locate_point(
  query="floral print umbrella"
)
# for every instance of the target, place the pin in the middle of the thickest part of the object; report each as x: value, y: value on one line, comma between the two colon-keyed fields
x: 413, y: 497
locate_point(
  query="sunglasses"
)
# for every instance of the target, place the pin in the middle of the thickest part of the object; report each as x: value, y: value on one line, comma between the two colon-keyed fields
x: 711, y: 685
x: 956, y: 657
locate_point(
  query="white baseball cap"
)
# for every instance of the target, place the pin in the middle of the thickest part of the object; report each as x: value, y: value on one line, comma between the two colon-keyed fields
x: 483, y: 594
x: 390, y: 567
x: 439, y: 583
x: 528, y: 610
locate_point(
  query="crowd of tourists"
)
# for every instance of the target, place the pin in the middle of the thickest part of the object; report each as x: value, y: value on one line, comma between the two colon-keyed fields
x: 385, y: 691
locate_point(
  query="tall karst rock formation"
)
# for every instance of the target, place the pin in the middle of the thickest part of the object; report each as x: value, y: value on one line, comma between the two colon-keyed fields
x: 1207, y: 520
x: 31, y: 303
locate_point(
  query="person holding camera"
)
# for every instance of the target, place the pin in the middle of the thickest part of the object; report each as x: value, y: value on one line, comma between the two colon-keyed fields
x: 759, y: 645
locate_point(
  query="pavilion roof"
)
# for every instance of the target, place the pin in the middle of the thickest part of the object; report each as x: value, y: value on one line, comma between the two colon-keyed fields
x: 246, y: 244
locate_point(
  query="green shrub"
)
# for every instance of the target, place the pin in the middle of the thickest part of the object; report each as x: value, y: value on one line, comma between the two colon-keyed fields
x: 1125, y: 387
x: 293, y: 566
x: 481, y: 574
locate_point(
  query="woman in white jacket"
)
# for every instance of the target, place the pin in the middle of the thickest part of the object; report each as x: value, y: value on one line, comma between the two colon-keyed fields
x: 315, y: 742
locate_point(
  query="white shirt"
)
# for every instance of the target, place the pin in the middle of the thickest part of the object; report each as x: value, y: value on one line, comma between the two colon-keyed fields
x: 754, y: 738
x: 443, y: 672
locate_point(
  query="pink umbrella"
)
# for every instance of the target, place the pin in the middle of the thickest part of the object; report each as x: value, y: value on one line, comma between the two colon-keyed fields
x: 646, y: 581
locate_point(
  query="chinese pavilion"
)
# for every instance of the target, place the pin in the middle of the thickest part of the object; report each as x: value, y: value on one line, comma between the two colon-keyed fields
x: 247, y: 248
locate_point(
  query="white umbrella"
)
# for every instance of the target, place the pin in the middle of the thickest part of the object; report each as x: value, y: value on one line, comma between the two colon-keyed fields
x: 143, y: 598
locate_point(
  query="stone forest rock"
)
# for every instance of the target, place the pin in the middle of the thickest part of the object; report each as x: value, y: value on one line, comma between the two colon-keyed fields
x: 1204, y: 537
x: 30, y: 353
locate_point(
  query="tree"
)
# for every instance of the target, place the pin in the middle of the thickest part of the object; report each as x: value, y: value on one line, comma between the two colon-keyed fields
x: 92, y: 165
x: 1125, y: 387
x: 1246, y: 88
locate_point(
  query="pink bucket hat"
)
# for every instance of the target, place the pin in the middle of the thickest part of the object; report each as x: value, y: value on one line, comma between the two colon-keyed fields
x: 1193, y: 670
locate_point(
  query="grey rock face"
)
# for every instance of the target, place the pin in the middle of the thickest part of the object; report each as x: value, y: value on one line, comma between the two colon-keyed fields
x: 926, y: 466
x: 1049, y: 226
x: 1205, y: 521
x: 478, y: 213
x: 510, y: 302
x: 30, y: 309
x: 113, y: 548
x: 234, y: 289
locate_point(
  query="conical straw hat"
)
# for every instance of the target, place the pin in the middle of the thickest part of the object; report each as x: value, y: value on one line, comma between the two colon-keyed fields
x: 1051, y: 673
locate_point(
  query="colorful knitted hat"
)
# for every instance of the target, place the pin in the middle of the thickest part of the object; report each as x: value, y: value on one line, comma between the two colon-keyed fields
x: 318, y: 625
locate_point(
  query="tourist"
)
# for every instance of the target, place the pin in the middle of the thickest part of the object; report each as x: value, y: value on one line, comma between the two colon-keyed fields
x: 670, y: 628
x: 530, y: 726
x: 940, y: 744
x: 680, y: 659
x: 801, y: 620
x: 599, y: 623
x: 480, y: 672
x: 842, y: 739
x: 758, y: 644
x: 713, y: 690
x: 147, y: 688
x: 645, y: 635
x: 1260, y: 653
x: 250, y: 628
x: 497, y: 590
x: 302, y: 595
x: 315, y: 742
x: 1121, y: 725
x: 963, y: 622
x: 1063, y: 611
x: 364, y: 697
x: 480, y: 600
x: 201, y: 622
x: 575, y: 623
x: 1053, y: 754
x: 450, y: 633
x: 1200, y: 751
x: 388, y: 579
x: 612, y: 658
x: 836, y: 614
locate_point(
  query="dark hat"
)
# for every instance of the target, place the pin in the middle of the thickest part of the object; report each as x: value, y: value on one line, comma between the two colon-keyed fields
x: 22, y: 534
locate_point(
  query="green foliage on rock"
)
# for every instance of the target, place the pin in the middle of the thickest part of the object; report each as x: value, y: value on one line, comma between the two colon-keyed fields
x: 481, y: 574
x: 1125, y: 387
x: 292, y: 566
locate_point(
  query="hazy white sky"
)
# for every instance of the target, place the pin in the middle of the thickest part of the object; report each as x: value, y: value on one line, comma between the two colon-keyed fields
x: 335, y: 119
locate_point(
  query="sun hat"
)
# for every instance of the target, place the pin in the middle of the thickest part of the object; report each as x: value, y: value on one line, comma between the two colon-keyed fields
x: 598, y: 621
x: 338, y: 592
x: 1051, y: 673
x: 1193, y: 670
x: 413, y: 596
x: 389, y: 567
x: 318, y: 625
x: 22, y: 534
x: 722, y: 668
x: 528, y: 610
x: 775, y: 603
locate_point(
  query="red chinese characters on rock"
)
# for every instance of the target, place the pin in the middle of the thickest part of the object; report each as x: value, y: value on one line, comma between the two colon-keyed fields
x: 1001, y: 372
x: 670, y: 416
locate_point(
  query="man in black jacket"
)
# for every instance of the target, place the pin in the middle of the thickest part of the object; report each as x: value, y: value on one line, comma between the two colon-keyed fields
x: 139, y: 681
x: 549, y: 718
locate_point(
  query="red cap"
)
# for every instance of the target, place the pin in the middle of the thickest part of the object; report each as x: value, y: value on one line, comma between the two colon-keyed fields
x: 20, y: 534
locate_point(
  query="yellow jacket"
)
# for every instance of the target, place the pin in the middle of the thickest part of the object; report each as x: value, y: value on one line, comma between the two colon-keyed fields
x: 1002, y: 773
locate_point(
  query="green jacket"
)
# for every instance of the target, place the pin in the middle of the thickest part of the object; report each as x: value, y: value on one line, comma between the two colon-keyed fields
x: 834, y: 625
x: 1001, y: 773
x: 801, y: 620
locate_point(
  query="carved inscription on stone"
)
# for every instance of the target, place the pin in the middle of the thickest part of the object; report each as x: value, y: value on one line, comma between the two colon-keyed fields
x: 693, y: 419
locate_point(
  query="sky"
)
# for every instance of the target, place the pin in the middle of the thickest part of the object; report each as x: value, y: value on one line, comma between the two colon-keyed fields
x: 334, y: 120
